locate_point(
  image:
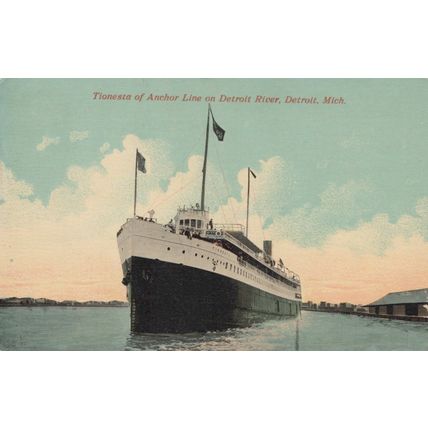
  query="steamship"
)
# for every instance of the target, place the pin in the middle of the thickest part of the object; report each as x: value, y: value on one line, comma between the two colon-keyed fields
x: 196, y: 275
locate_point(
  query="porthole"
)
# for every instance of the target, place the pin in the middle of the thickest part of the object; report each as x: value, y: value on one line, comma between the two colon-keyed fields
x: 196, y: 254
x: 168, y: 248
x: 184, y: 251
x: 202, y: 256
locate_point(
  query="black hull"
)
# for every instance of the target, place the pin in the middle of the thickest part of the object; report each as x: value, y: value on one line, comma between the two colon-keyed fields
x: 172, y: 298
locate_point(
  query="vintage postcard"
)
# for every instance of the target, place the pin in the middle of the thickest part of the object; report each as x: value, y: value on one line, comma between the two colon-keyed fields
x: 213, y: 214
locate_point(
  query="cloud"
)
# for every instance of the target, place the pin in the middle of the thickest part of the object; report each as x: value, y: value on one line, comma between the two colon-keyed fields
x: 273, y: 178
x: 337, y: 272
x: 104, y: 148
x: 46, y: 142
x: 364, y: 263
x: 338, y: 206
x: 358, y: 261
x: 78, y: 136
x: 10, y: 187
x: 67, y: 248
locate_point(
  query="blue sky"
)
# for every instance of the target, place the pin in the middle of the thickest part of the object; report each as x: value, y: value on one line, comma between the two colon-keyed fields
x: 377, y: 139
x: 341, y: 189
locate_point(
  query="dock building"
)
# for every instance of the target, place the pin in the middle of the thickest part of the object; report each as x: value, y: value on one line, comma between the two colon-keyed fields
x: 402, y: 303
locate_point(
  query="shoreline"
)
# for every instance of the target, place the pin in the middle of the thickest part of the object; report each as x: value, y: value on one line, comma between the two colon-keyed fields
x: 43, y: 302
x: 413, y: 318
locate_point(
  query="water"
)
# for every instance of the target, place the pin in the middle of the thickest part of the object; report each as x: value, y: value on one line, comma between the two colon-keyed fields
x: 67, y: 328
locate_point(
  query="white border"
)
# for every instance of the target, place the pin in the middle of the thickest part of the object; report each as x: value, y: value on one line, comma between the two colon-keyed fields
x: 190, y: 389
x: 222, y: 39
x: 307, y: 38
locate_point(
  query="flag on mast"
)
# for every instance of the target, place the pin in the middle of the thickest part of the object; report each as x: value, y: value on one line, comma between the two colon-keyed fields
x: 252, y: 173
x: 141, y: 162
x: 218, y: 130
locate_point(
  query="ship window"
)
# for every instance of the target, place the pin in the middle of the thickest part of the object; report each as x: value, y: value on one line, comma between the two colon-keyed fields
x: 202, y: 256
x: 226, y: 265
x: 196, y: 254
x: 234, y: 268
x: 193, y: 222
x: 208, y: 258
x: 181, y: 222
x: 183, y: 251
x: 199, y: 224
x: 186, y: 222
x: 168, y: 248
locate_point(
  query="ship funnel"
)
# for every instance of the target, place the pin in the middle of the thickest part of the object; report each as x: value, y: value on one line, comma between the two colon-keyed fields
x: 267, y: 247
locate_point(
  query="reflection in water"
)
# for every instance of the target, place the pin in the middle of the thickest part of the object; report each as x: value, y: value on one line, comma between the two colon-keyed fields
x: 297, y: 334
x: 263, y: 336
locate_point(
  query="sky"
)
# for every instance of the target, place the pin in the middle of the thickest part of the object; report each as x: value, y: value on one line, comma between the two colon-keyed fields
x: 341, y: 189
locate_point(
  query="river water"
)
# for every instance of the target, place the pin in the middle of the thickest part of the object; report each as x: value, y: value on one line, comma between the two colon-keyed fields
x: 107, y: 328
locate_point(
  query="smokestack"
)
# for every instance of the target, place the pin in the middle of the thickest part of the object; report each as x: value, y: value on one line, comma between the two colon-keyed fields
x: 267, y: 247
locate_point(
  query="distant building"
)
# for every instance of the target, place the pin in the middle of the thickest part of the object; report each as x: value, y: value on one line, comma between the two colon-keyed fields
x: 305, y: 305
x: 411, y: 303
x: 346, y: 307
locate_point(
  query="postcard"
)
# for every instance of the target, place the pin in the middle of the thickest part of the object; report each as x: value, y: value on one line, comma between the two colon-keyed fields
x: 213, y: 214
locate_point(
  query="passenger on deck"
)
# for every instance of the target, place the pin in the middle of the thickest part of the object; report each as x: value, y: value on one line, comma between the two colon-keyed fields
x: 210, y: 224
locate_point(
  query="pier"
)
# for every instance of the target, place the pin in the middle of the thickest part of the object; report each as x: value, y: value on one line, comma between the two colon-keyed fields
x: 413, y: 318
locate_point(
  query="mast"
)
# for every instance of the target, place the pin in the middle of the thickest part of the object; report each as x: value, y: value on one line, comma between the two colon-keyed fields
x: 135, y: 186
x: 204, y: 169
x: 248, y: 201
x: 250, y: 172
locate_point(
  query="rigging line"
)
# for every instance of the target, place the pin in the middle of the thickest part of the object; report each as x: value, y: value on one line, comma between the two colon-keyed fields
x: 189, y: 154
x: 193, y: 180
x: 225, y: 182
x: 159, y: 197
x: 253, y: 195
x: 181, y: 159
x: 221, y: 206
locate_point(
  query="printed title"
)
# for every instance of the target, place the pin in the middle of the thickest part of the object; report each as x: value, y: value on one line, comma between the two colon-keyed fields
x: 242, y: 99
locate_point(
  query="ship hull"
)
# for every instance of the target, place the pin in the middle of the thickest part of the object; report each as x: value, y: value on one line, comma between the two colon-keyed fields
x: 174, y: 298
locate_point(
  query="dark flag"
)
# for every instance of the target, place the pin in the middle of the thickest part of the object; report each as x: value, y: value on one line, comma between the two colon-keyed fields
x: 252, y: 173
x: 218, y: 130
x: 141, y: 162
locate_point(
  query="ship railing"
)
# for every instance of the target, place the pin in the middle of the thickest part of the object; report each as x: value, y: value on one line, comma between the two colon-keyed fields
x: 151, y: 220
x: 258, y: 256
x: 289, y: 274
x: 291, y: 277
x: 239, y: 244
x: 267, y: 277
x: 234, y: 227
x: 191, y: 209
